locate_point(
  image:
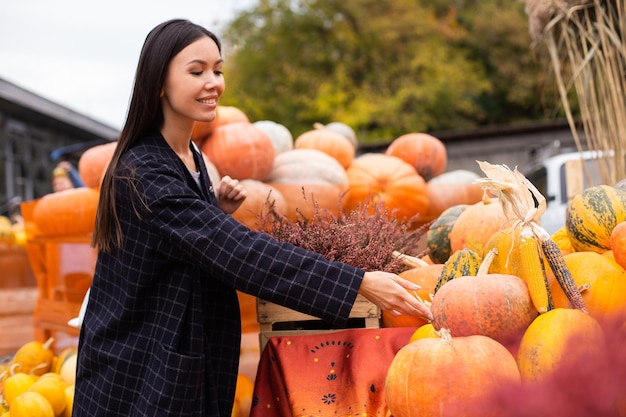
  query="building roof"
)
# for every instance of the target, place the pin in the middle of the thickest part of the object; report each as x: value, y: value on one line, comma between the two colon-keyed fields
x: 17, y: 100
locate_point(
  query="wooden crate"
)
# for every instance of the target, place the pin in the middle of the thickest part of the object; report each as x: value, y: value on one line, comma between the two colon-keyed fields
x: 63, y: 267
x: 276, y: 320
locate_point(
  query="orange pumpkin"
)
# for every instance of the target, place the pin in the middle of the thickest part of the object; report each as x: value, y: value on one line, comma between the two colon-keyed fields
x: 451, y: 189
x: 476, y: 224
x: 240, y: 150
x: 424, y: 276
x: 556, y: 338
x: 67, y: 212
x: 329, y: 142
x: 306, y: 178
x: 617, y: 243
x: 388, y: 179
x: 494, y: 305
x: 448, y: 376
x: 243, y: 396
x: 93, y: 162
x: 224, y: 115
x: 603, y: 280
x: 424, y: 152
x: 260, y: 195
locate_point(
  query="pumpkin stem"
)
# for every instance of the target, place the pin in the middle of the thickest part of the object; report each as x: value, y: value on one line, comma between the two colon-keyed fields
x: 48, y: 343
x: 13, y: 368
x: 42, y: 365
x: 483, y: 269
x: 584, y: 287
x: 445, y: 334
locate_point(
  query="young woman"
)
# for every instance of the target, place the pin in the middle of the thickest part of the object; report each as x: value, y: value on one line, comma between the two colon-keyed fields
x: 161, y: 333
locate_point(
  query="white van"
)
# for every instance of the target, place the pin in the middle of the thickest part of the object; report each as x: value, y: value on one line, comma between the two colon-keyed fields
x: 562, y: 176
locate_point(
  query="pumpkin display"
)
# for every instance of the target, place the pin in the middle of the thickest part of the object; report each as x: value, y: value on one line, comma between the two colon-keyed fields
x: 281, y: 137
x: 494, y: 305
x: 93, y: 163
x: 438, y: 235
x: 424, y: 276
x: 240, y: 150
x: 602, y: 280
x: 475, y: 226
x: 31, y: 404
x: 382, y: 178
x: 447, y: 376
x: 308, y: 178
x: 562, y: 241
x: 556, y: 338
x: 260, y: 196
x: 450, y: 189
x: 67, y: 212
x: 591, y: 216
x: 329, y: 142
x: 424, y: 152
x: 617, y: 243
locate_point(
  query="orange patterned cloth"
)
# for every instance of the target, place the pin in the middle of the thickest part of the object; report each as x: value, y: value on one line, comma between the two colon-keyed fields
x: 337, y: 374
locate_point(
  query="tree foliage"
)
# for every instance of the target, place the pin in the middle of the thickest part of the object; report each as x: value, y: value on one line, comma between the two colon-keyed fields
x: 383, y: 67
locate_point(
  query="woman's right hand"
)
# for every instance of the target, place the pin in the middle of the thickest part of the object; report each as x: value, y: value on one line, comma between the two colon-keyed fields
x: 392, y: 294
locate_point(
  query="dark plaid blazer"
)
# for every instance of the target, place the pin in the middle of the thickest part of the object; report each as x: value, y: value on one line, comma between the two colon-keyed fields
x: 161, y: 334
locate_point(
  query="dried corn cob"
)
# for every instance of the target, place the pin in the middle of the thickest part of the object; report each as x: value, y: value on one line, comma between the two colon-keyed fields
x: 562, y: 274
x: 533, y: 272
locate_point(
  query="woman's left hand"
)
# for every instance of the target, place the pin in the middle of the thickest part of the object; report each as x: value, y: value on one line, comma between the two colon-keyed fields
x: 230, y: 194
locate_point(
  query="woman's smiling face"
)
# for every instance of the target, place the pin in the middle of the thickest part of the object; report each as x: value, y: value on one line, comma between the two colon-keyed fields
x: 194, y: 83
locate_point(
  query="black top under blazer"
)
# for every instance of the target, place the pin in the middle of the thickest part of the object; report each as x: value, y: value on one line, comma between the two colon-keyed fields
x: 161, y: 334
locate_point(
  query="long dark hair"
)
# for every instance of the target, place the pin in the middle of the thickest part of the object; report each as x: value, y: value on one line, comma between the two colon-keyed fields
x: 145, y: 114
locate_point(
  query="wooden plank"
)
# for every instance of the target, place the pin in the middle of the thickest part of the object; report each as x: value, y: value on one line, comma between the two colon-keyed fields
x: 272, y: 313
x: 16, y: 301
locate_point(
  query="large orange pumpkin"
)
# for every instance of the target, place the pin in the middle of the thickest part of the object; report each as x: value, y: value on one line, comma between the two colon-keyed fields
x: 424, y: 276
x: 224, y: 115
x: 93, y: 162
x: 494, y: 305
x: 388, y: 179
x: 240, y: 150
x: 68, y: 212
x: 476, y: 224
x: 448, y: 376
x: 329, y: 142
x: 451, y: 189
x: 306, y: 178
x: 556, y: 338
x: 603, y: 280
x: 260, y: 196
x: 424, y: 152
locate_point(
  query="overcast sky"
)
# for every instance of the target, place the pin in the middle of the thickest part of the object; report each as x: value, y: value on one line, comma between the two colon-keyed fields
x: 82, y: 54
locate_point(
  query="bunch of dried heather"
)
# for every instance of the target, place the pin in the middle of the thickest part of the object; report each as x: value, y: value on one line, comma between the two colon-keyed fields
x: 366, y: 238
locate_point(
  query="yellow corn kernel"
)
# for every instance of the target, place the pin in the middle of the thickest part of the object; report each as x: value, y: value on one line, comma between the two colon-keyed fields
x: 562, y: 274
x: 533, y: 273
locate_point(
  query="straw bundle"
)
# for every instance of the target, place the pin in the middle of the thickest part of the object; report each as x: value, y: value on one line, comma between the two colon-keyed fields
x: 585, y: 40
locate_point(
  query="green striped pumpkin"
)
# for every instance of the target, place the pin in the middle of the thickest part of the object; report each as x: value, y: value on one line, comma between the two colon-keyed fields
x: 437, y: 238
x: 462, y: 263
x: 591, y: 216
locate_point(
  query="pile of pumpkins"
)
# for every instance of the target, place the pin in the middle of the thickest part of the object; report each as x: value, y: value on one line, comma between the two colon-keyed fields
x: 12, y: 233
x: 36, y: 382
x: 487, y: 337
x: 318, y: 169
